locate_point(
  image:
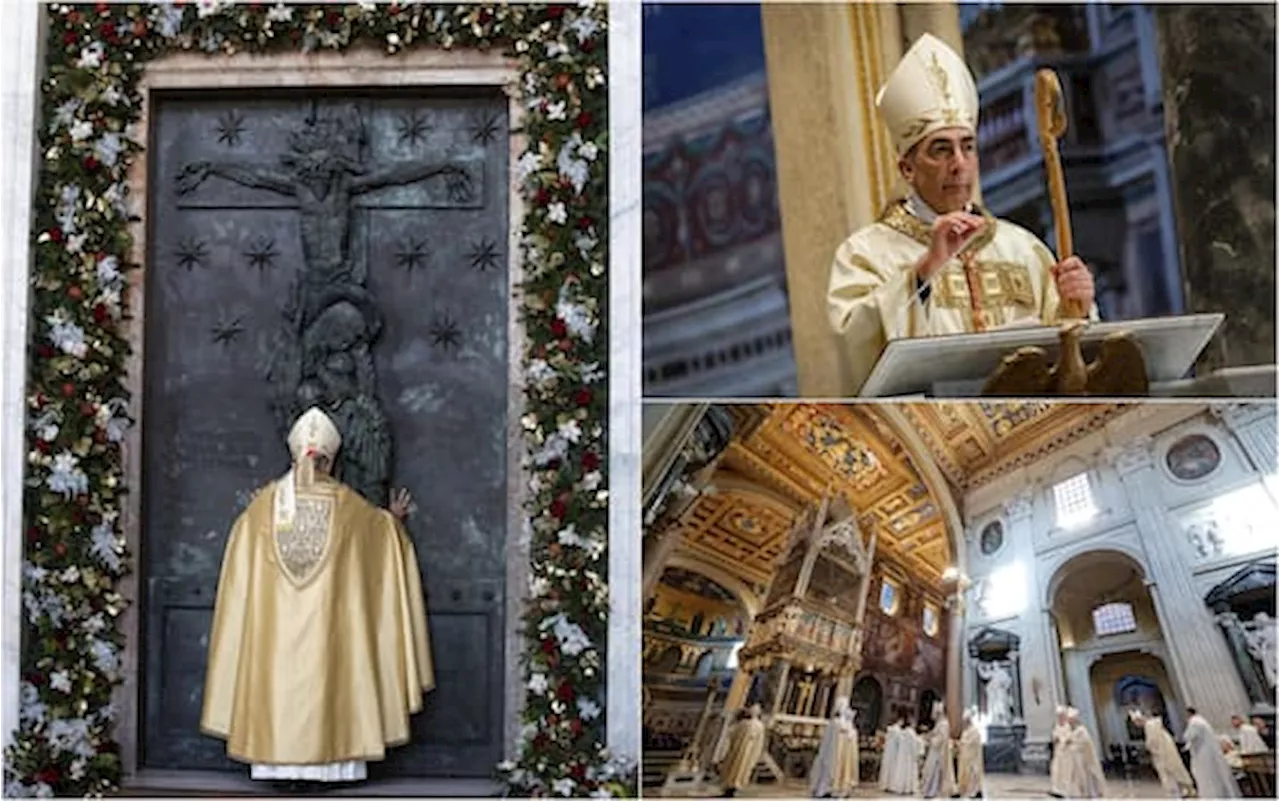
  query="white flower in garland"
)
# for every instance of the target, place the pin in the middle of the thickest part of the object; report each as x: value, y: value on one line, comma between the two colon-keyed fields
x: 43, y: 790
x: 570, y: 537
x: 563, y: 787
x: 576, y: 317
x: 280, y: 12
x: 168, y: 20
x: 109, y: 148
x: 70, y: 576
x: 81, y: 130
x: 64, y: 116
x: 112, y: 96
x: 538, y: 684
x: 557, y: 213
x: 207, y: 8
x: 68, y: 198
x: 538, y: 586
x: 528, y: 164
x: 589, y: 151
x: 110, y: 418
x: 31, y: 708
x: 585, y: 243
x: 108, y: 270
x: 71, y: 735
x: 585, y: 27
x: 556, y: 447
x: 60, y: 680
x: 66, y: 477
x: 588, y: 709
x: 540, y: 373
x: 570, y: 430
x: 66, y: 335
x: 95, y: 623
x: 106, y: 546
x: 591, y: 372
x: 556, y: 111
x: 117, y: 196
x: 105, y: 657
x: 573, y: 640
x: 575, y: 170
x: 91, y: 56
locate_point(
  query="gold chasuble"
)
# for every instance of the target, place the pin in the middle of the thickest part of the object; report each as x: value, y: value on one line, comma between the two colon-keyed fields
x: 319, y: 651
x: 1002, y: 279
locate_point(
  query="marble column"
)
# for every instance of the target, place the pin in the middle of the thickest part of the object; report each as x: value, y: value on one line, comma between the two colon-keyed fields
x: 1202, y: 667
x: 1219, y: 79
x: 1079, y: 667
x: 1057, y: 688
x: 835, y: 163
x: 21, y: 55
x: 1036, y: 653
x: 955, y: 656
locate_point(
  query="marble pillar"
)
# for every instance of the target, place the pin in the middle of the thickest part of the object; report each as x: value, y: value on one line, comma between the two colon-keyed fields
x: 955, y: 657
x: 1079, y: 679
x: 1219, y: 83
x: 1037, y: 654
x: 21, y: 54
x: 1203, y: 669
x: 835, y: 163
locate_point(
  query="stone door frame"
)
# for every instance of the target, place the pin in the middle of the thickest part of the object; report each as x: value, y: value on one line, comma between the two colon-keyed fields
x: 356, y: 68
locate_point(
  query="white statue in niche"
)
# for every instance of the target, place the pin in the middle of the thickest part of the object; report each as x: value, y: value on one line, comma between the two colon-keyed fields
x: 1260, y: 634
x: 999, y: 692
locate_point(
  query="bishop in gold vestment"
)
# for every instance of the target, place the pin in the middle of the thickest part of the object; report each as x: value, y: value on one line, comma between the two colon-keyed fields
x: 319, y: 650
x: 935, y: 262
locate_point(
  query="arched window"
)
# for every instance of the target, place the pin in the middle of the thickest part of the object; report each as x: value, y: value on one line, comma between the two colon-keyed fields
x: 1114, y: 618
x: 889, y: 597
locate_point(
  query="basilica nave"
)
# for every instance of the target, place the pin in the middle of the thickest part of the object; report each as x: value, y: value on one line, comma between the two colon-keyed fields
x: 1006, y: 560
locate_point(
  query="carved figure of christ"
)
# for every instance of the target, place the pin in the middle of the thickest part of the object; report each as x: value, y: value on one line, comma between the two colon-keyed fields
x: 325, y: 186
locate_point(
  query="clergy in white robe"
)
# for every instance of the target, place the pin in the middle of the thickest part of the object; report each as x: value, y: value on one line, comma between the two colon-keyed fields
x: 1208, y: 764
x: 746, y: 743
x: 1246, y: 737
x: 1058, y: 762
x: 971, y: 767
x: 903, y: 776
x: 1166, y: 760
x: 318, y: 652
x: 1083, y: 775
x: 939, y: 777
x: 935, y: 263
x: 834, y: 770
x: 889, y: 752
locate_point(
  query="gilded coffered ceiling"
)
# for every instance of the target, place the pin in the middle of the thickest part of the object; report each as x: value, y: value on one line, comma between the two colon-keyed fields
x: 790, y: 456
x: 784, y: 457
x: 973, y: 443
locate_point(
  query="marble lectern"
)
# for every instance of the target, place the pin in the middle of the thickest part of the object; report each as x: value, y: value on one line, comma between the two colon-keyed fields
x: 956, y: 366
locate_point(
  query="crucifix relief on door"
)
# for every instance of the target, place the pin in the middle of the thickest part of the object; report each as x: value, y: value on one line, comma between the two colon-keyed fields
x: 347, y: 253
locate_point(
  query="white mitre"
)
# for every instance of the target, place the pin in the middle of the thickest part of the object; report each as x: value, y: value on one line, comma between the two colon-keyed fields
x: 314, y: 434
x: 930, y: 89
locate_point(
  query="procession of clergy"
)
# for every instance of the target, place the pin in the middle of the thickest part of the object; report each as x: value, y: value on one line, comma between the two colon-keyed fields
x: 955, y: 768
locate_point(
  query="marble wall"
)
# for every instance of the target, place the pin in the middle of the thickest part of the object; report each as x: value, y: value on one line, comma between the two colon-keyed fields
x: 1155, y: 496
x: 1220, y: 115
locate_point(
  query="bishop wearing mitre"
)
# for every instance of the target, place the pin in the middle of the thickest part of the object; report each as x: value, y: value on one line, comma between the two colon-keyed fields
x: 319, y: 650
x: 936, y: 262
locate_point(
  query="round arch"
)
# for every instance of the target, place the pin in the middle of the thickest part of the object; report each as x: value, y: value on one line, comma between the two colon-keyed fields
x: 751, y: 602
x: 931, y: 475
x: 1069, y: 563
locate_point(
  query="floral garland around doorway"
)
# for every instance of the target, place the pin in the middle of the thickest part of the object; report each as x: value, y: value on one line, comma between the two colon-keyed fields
x: 78, y: 407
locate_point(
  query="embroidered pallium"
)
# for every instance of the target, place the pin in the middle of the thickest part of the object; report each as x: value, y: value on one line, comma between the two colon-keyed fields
x: 302, y: 545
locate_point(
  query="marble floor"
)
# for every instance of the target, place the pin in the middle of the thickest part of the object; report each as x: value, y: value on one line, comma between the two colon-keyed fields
x: 997, y: 786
